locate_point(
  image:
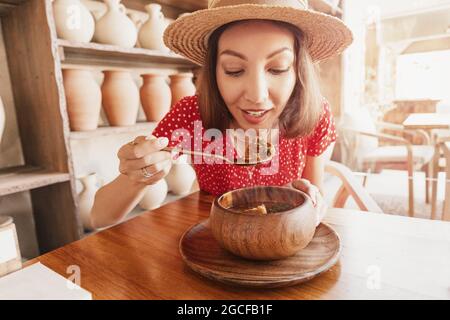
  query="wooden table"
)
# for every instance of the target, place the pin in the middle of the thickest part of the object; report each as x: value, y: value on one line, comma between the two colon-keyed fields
x: 446, y: 211
x: 427, y: 121
x: 139, y: 259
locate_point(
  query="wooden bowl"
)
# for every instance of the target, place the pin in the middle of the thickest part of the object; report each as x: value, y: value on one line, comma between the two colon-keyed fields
x: 263, y: 237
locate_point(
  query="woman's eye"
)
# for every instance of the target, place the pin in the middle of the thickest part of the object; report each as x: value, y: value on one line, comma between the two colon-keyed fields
x: 279, y: 71
x: 234, y: 73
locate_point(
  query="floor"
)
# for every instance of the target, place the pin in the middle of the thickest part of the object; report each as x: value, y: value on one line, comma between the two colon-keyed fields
x: 390, y: 190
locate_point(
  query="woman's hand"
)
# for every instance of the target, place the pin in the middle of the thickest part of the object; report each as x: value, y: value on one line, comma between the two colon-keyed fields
x: 142, y: 161
x: 314, y: 193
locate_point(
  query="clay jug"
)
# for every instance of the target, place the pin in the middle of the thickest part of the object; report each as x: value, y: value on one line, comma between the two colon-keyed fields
x: 181, y: 176
x: 154, y: 195
x: 86, y: 199
x: 155, y: 96
x: 151, y: 33
x: 114, y: 27
x: 137, y: 20
x: 2, y: 119
x: 73, y: 20
x: 181, y: 86
x: 120, y: 98
x: 84, y: 99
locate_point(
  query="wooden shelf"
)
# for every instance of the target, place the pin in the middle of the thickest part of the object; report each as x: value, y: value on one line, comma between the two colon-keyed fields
x: 18, y: 179
x: 8, y: 5
x: 106, y: 131
x: 114, y: 56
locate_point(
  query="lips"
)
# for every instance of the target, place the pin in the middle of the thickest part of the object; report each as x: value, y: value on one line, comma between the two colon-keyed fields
x: 255, y: 116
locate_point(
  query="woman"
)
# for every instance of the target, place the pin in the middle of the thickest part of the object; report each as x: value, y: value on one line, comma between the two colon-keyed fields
x: 258, y: 73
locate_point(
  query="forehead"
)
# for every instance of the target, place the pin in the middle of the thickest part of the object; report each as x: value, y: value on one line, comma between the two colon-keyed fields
x: 265, y: 35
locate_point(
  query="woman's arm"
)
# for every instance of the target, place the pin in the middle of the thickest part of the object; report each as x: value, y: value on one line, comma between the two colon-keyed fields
x: 116, y: 199
x: 315, y: 167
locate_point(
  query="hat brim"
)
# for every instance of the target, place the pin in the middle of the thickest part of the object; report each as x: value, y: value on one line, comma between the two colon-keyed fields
x: 325, y: 35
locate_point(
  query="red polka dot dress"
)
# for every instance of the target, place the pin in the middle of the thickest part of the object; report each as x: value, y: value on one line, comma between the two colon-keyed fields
x: 183, y: 122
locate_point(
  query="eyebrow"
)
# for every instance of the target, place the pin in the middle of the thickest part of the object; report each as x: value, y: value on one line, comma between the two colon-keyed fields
x: 239, y: 55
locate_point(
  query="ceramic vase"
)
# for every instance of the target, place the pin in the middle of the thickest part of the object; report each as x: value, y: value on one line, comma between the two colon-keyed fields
x: 137, y: 20
x: 154, y: 195
x: 86, y: 199
x: 120, y: 98
x: 84, y: 99
x: 2, y: 119
x: 181, y: 176
x: 73, y: 21
x: 151, y: 33
x: 155, y: 96
x: 181, y: 85
x: 114, y: 27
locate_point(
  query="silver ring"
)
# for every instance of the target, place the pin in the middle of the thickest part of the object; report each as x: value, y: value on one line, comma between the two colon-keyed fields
x: 145, y: 173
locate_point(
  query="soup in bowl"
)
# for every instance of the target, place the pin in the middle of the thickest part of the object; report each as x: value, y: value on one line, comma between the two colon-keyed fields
x: 263, y: 223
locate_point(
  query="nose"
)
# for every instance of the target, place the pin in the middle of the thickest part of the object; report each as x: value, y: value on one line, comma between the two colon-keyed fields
x: 257, y: 90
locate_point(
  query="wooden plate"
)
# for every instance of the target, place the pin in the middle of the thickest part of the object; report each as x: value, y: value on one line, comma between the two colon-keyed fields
x: 202, y: 253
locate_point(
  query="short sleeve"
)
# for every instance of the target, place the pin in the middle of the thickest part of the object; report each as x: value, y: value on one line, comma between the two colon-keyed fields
x: 324, y: 133
x: 179, y: 121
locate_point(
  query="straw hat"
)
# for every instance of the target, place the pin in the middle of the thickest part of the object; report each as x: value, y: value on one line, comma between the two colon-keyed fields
x: 325, y: 35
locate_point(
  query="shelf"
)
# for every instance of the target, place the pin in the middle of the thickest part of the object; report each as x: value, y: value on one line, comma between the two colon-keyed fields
x: 8, y: 5
x: 114, y: 56
x: 18, y: 179
x: 325, y: 7
x: 107, y: 131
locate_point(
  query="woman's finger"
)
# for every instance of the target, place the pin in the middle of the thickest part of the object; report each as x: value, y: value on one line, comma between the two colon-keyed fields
x: 141, y: 147
x: 307, y: 187
x: 151, y: 159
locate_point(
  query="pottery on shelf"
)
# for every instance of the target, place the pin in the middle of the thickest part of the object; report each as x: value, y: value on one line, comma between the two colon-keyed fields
x: 120, y: 98
x: 154, y: 195
x: 181, y: 176
x: 137, y: 20
x: 86, y: 199
x: 181, y: 86
x: 73, y: 21
x: 2, y: 119
x: 152, y: 31
x: 84, y: 99
x: 156, y: 96
x: 115, y: 27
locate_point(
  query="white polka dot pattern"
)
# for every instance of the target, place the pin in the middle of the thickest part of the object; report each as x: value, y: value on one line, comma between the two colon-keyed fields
x: 220, y: 178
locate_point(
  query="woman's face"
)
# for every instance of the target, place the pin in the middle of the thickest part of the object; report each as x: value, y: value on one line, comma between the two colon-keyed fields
x: 256, y: 72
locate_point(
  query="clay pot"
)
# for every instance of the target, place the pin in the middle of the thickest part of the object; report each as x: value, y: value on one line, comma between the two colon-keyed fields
x: 83, y: 98
x: 114, y: 27
x: 155, y: 96
x: 73, y: 20
x: 120, y: 98
x: 151, y: 33
x: 86, y: 199
x: 181, y: 86
x: 181, y: 176
x: 154, y: 195
x: 2, y: 119
x: 269, y: 236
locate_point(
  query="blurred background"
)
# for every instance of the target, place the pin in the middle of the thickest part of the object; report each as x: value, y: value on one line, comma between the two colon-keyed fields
x: 389, y: 93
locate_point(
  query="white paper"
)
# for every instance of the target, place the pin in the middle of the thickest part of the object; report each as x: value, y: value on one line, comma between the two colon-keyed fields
x: 37, y: 282
x: 8, y: 249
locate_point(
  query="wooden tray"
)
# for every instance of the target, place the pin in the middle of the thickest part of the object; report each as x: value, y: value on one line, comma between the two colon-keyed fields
x: 202, y: 253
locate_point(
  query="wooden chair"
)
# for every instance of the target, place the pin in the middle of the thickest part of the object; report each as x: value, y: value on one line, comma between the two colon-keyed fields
x: 403, y: 155
x: 446, y: 211
x: 350, y: 188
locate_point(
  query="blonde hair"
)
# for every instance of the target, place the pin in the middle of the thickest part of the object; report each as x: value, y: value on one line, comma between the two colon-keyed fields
x: 302, y: 111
